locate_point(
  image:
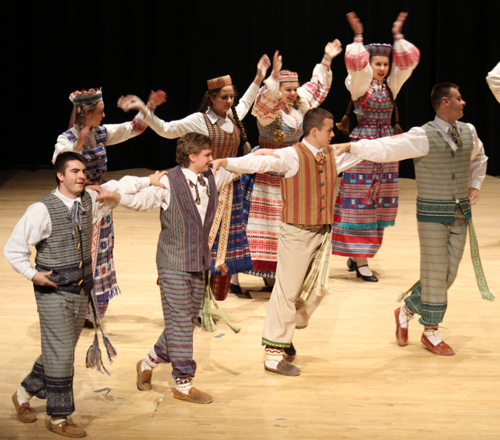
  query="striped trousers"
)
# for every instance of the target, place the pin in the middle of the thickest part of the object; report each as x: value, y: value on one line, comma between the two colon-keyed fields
x: 61, y: 321
x: 441, y: 250
x: 181, y: 298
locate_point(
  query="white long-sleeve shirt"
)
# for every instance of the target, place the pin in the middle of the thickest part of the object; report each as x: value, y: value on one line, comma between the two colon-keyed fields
x: 35, y: 225
x: 287, y: 164
x: 493, y: 80
x: 415, y: 143
x: 154, y: 196
x: 195, y: 123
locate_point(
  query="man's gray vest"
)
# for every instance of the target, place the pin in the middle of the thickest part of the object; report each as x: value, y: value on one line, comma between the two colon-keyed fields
x: 443, y: 177
x: 66, y: 252
x: 183, y: 242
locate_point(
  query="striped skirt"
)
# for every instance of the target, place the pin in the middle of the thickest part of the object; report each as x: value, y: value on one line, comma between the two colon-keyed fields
x: 367, y: 202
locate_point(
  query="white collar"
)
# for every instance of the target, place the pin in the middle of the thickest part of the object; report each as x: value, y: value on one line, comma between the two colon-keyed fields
x: 313, y: 150
x: 190, y: 175
x: 66, y: 200
x: 214, y: 117
x: 443, y: 125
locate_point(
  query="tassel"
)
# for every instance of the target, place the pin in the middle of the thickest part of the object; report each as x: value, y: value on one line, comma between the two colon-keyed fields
x: 207, y: 322
x: 94, y: 359
x: 476, y: 262
x: 409, y: 291
x: 109, y: 349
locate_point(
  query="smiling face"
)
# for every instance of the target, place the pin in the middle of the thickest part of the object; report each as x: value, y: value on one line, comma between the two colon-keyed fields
x: 223, y: 102
x: 454, y: 104
x: 72, y: 181
x: 94, y: 118
x: 380, y: 66
x: 199, y: 163
x: 289, y: 91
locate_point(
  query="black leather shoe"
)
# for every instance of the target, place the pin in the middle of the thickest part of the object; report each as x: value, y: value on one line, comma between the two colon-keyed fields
x: 235, y: 288
x: 351, y: 264
x: 371, y: 278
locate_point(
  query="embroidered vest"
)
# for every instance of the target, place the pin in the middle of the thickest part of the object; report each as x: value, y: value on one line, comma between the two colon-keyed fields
x: 67, y: 254
x: 309, y: 196
x: 266, y: 134
x: 183, y: 242
x: 443, y: 177
x: 223, y: 144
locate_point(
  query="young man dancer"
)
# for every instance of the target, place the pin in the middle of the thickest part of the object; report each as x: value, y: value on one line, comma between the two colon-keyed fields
x: 188, y: 208
x: 60, y: 226
x: 450, y: 166
x: 308, y: 170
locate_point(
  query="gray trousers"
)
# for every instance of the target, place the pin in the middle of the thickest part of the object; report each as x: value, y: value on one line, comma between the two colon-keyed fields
x: 441, y: 250
x: 61, y: 321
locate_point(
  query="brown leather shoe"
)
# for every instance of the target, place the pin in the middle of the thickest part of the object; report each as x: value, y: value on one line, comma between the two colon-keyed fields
x: 144, y: 378
x: 25, y: 413
x: 289, y: 353
x: 285, y: 368
x: 194, y: 396
x: 401, y: 333
x: 67, y: 429
x: 442, y: 348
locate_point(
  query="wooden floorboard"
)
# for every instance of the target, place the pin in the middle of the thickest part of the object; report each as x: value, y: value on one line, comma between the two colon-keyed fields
x: 356, y: 383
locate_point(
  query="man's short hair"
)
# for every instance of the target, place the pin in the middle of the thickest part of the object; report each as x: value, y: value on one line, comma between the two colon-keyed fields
x: 440, y: 91
x: 314, y: 119
x: 191, y: 143
x: 63, y: 159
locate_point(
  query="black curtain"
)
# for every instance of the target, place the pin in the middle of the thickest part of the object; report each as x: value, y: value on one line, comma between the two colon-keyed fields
x: 133, y: 47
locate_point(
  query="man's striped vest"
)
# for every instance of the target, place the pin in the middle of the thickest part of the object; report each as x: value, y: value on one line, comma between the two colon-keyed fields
x: 443, y: 177
x: 66, y: 253
x: 183, y: 242
x: 309, y: 196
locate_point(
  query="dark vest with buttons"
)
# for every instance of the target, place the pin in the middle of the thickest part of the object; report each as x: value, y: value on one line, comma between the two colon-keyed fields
x: 309, y: 196
x: 443, y: 177
x: 66, y: 252
x: 183, y: 242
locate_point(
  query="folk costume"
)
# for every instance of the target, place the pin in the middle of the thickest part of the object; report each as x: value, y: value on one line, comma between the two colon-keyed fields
x: 232, y: 254
x: 449, y: 159
x: 280, y: 126
x: 188, y: 206
x: 304, y: 236
x: 61, y: 229
x: 94, y: 150
x: 367, y: 199
x: 493, y: 80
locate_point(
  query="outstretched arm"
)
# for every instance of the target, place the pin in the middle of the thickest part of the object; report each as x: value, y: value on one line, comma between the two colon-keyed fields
x: 493, y: 80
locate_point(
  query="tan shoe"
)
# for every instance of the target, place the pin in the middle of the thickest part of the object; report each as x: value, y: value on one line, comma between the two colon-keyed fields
x: 285, y: 368
x: 144, y: 378
x: 67, y: 429
x: 442, y: 349
x: 194, y: 396
x: 401, y: 333
x: 25, y: 413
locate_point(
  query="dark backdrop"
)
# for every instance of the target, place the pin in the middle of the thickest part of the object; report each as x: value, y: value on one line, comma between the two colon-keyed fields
x: 132, y: 47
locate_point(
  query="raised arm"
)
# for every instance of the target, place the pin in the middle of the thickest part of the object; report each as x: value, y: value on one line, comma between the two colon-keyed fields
x: 493, y: 80
x: 405, y: 57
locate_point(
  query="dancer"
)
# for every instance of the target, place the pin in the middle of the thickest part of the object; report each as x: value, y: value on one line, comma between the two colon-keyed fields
x: 60, y: 226
x: 219, y: 119
x: 367, y: 200
x: 188, y: 207
x: 493, y: 80
x: 304, y: 244
x: 279, y: 108
x: 450, y: 165
x: 88, y: 137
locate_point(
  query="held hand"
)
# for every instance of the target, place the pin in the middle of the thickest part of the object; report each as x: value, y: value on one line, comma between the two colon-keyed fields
x: 397, y: 26
x: 154, y: 179
x: 217, y: 163
x: 473, y: 195
x: 101, y: 192
x: 131, y: 102
x: 343, y: 148
x: 262, y: 67
x: 355, y: 23
x: 265, y: 152
x: 277, y: 64
x: 157, y: 98
x: 332, y: 50
x: 42, y: 279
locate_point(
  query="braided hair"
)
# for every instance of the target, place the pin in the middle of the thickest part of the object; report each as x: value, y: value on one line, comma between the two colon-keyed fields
x: 81, y: 109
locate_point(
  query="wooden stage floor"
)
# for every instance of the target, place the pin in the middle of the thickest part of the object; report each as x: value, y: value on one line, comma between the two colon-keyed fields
x: 356, y: 383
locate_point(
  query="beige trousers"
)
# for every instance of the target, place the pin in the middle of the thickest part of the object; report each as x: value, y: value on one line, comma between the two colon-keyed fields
x: 296, y: 250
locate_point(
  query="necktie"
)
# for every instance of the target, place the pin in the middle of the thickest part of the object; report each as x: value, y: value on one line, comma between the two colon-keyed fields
x: 195, y: 186
x: 455, y: 136
x: 320, y: 157
x: 75, y: 215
